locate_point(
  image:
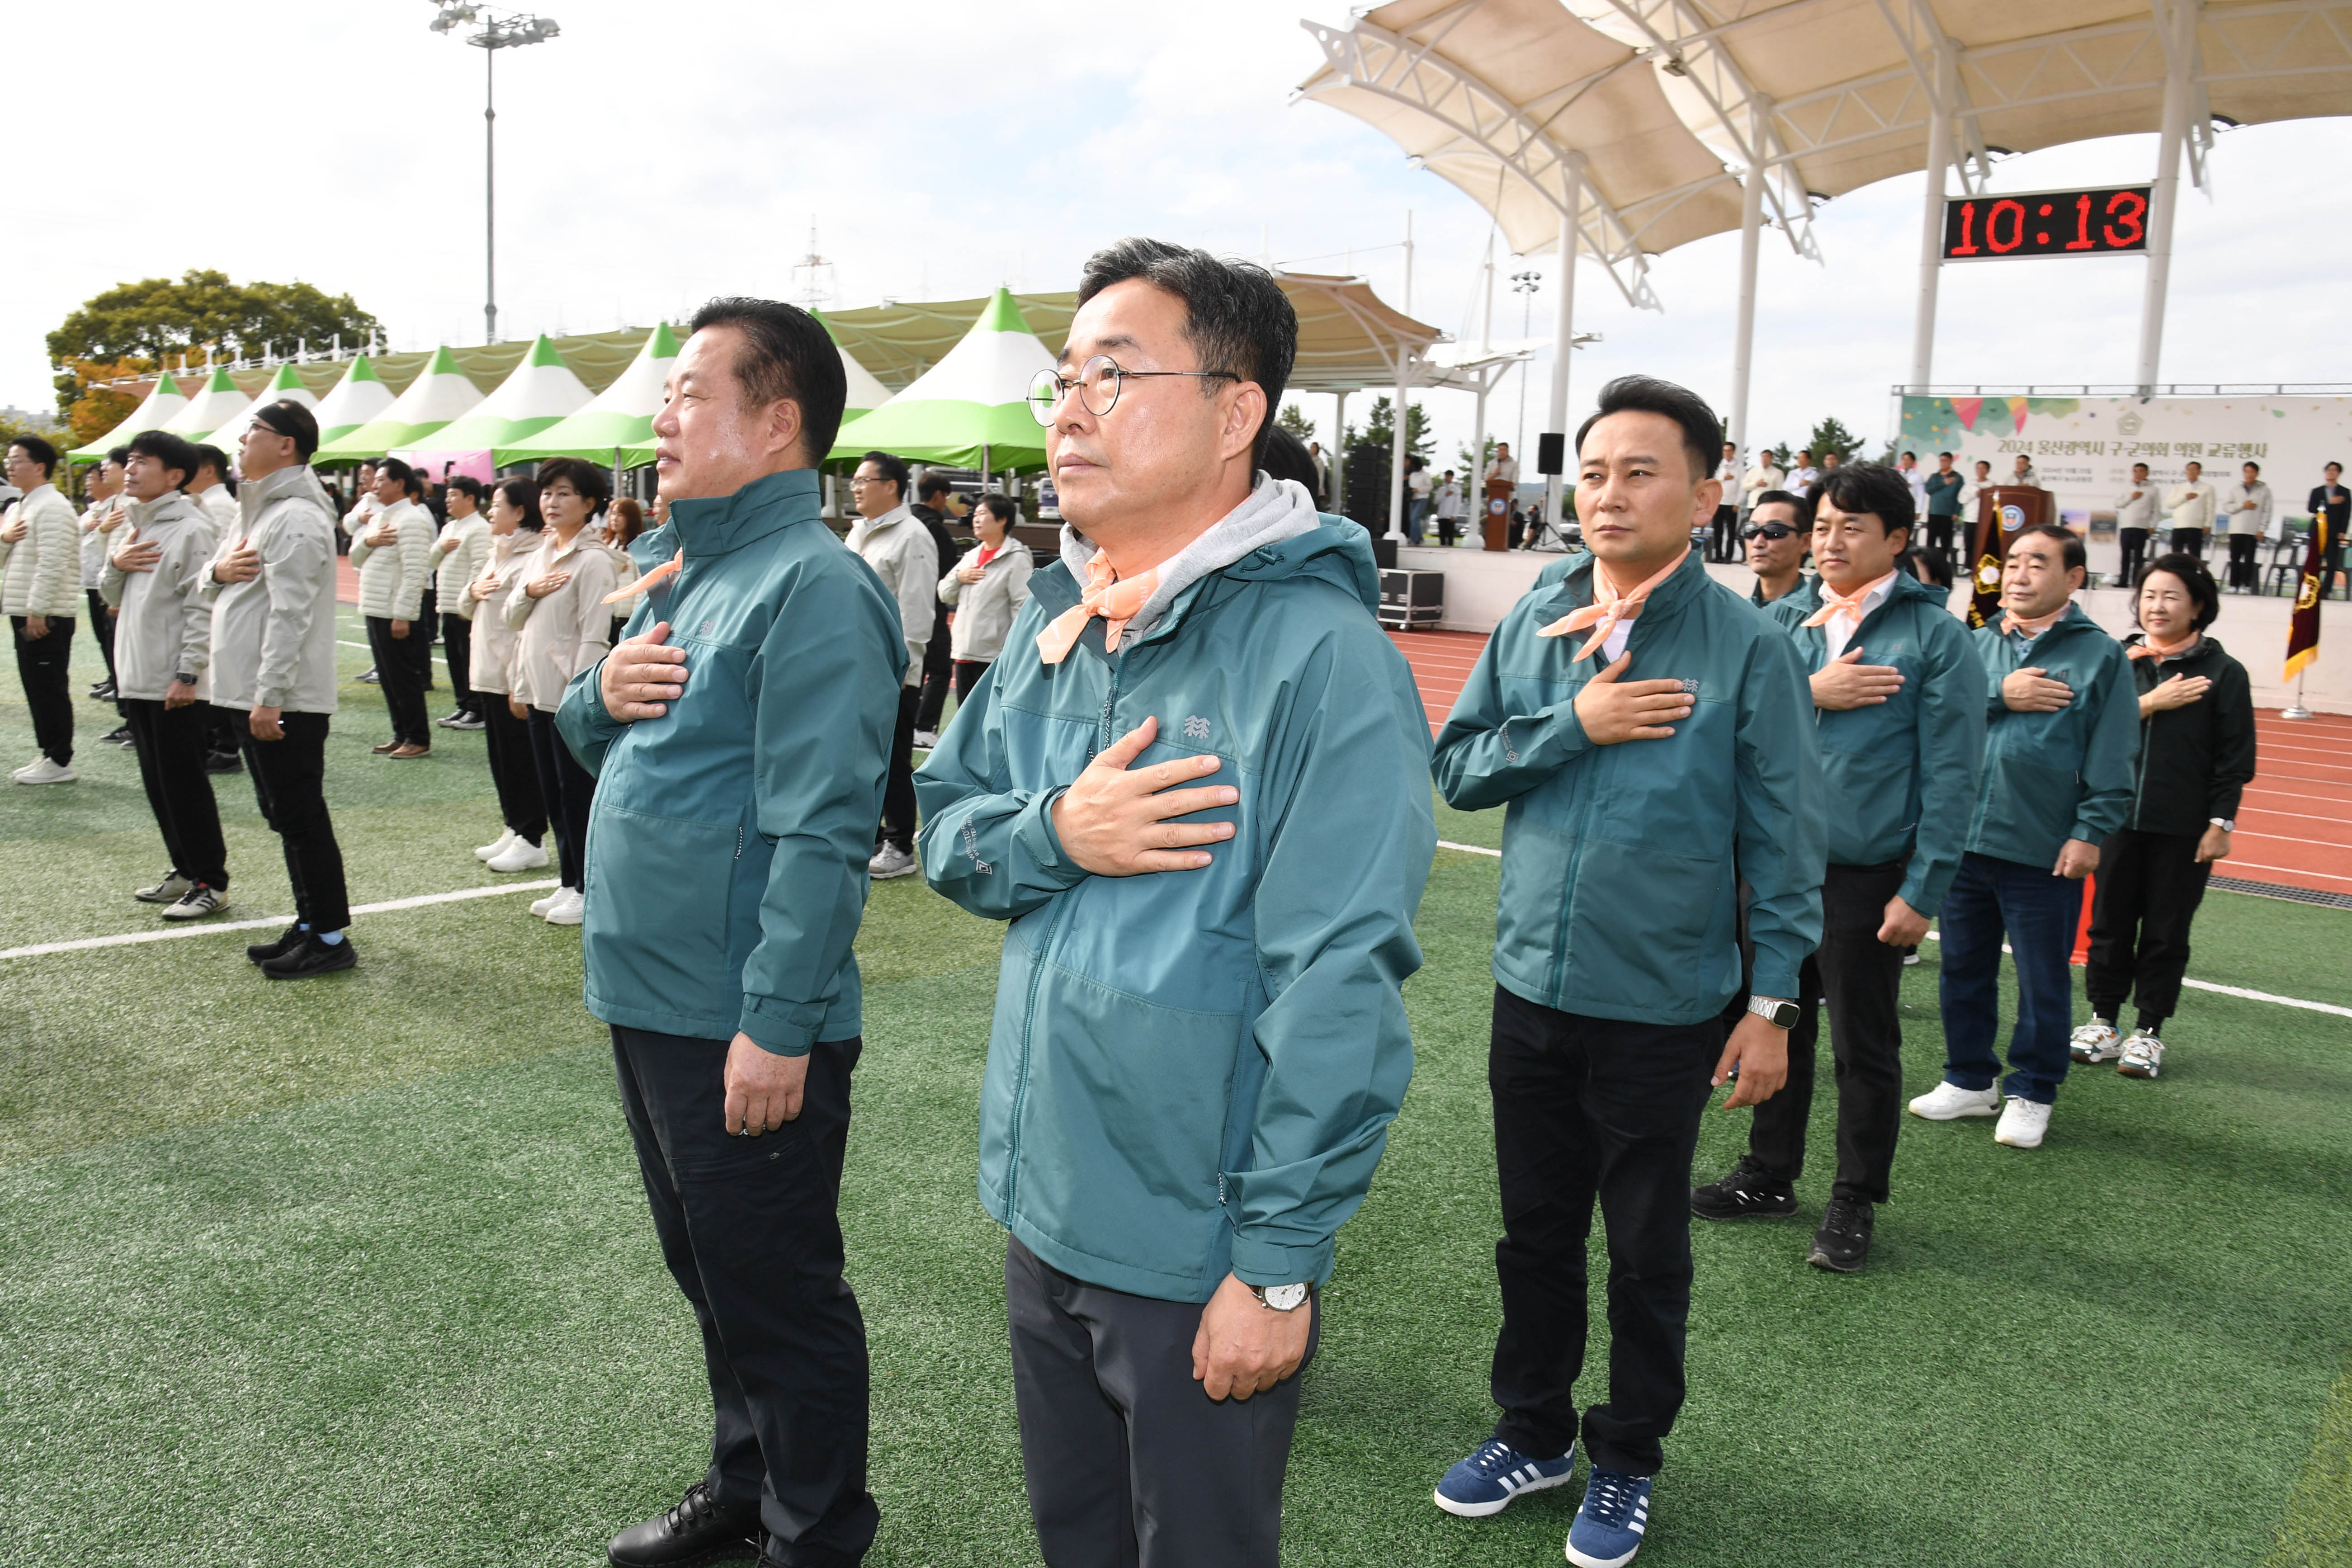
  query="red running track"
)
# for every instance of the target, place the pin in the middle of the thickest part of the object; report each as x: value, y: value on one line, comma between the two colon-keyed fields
x: 2294, y: 828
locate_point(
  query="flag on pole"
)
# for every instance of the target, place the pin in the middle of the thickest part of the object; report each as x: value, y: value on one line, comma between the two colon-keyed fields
x: 2303, y: 631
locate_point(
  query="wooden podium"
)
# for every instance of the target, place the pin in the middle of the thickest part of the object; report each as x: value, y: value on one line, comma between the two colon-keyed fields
x: 2002, y: 512
x: 1494, y: 520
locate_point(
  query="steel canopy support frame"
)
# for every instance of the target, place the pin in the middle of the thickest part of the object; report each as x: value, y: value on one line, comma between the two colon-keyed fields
x: 2180, y: 88
x: 1399, y: 439
x: 1931, y: 218
x: 1743, y: 346
x: 1563, y: 343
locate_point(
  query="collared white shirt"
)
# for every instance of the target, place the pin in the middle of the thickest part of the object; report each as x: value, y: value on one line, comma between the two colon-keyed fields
x: 1800, y: 478
x: 2136, y: 507
x: 1833, y: 630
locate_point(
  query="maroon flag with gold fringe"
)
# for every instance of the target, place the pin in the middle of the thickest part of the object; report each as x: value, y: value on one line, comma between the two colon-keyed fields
x: 2303, y: 631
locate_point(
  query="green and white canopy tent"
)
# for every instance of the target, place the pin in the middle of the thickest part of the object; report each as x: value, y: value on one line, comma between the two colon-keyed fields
x: 440, y: 393
x: 164, y: 400
x: 865, y: 395
x: 536, y: 394
x: 358, y: 397
x: 621, y: 419
x: 285, y: 386
x: 973, y: 407
x: 209, y: 410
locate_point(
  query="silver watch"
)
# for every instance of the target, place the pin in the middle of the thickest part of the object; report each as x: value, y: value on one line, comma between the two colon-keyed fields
x: 2225, y: 823
x: 1280, y: 1298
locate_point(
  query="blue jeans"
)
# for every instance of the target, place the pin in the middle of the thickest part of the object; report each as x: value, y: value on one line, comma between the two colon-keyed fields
x: 2038, y: 913
x: 1414, y: 509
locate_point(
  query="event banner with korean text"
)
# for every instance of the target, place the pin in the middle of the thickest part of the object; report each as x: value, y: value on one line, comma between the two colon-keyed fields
x: 2083, y: 447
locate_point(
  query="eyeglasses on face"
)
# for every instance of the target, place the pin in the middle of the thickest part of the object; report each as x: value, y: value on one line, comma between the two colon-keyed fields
x: 1773, y: 531
x: 1097, y: 384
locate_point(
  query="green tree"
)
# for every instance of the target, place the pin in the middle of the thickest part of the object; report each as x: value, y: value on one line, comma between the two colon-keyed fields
x: 1830, y: 436
x: 1294, y: 420
x: 159, y: 319
x: 1380, y: 428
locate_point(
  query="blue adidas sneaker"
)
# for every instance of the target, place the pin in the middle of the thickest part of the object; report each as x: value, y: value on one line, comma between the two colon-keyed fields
x: 1494, y: 1474
x: 1609, y: 1525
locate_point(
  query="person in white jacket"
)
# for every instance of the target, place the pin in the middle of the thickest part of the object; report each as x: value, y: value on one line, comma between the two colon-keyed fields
x: 462, y: 551
x: 2245, y: 507
x: 902, y: 553
x: 514, y: 539
x: 208, y: 487
x: 394, y: 558
x: 2135, y: 516
x: 103, y: 484
x: 557, y: 605
x: 2191, y: 504
x: 164, y: 650
x: 40, y: 590
x: 985, y: 589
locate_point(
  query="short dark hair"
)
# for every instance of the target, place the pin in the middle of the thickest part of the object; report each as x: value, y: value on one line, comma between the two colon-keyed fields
x: 1928, y: 565
x: 588, y: 481
x: 36, y: 450
x: 290, y: 418
x: 1944, y: 454
x: 935, y: 483
x: 1237, y: 317
x: 1286, y: 457
x: 2073, y: 558
x: 397, y: 470
x: 465, y: 485
x: 172, y: 451
x: 522, y: 493
x: 1873, y: 488
x: 1002, y: 508
x: 2139, y: 465
x: 1790, y: 497
x: 1912, y: 455
x: 786, y: 353
x: 212, y: 457
x: 1702, y: 431
x: 2331, y: 463
x: 894, y: 468
x: 118, y: 456
x: 2193, y: 576
x: 2252, y: 464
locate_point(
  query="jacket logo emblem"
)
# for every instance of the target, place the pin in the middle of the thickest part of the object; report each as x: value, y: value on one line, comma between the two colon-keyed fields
x: 707, y: 628
x: 1196, y: 728
x: 1690, y: 686
x: 972, y: 848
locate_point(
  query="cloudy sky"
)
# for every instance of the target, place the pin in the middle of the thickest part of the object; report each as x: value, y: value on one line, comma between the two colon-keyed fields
x: 656, y: 154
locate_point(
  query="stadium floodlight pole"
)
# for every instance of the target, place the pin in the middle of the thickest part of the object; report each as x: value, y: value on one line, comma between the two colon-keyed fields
x: 493, y: 31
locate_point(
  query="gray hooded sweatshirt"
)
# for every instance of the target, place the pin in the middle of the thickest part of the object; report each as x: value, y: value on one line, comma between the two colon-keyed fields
x: 163, y: 626
x: 1274, y: 509
x: 274, y: 637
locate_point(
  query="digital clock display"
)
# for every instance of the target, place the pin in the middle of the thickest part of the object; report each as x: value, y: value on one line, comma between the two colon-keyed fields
x: 2046, y: 223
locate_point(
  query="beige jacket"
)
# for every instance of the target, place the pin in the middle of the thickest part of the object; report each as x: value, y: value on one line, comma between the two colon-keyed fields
x: 393, y: 579
x: 565, y: 632
x: 40, y: 574
x: 460, y: 566
x: 984, y: 610
x: 163, y: 624
x: 492, y: 654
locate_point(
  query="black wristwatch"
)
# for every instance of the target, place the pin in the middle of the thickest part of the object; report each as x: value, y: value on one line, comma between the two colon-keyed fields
x: 185, y: 679
x: 1780, y: 1015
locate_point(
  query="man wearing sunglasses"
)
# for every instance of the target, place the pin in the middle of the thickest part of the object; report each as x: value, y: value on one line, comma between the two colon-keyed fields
x: 1777, y: 534
x: 1196, y: 784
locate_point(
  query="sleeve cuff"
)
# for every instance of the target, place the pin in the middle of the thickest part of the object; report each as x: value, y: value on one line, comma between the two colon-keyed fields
x: 1773, y: 977
x: 1044, y: 846
x: 781, y: 1028
x: 270, y: 696
x: 1259, y: 1262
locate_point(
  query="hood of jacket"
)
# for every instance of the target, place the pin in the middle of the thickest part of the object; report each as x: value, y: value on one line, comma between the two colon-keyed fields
x: 256, y: 496
x: 172, y: 506
x: 1275, y: 511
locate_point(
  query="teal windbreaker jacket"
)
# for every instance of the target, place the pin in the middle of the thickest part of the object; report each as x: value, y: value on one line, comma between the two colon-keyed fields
x: 1621, y: 864
x: 1901, y: 774
x: 1193, y: 1072
x: 2049, y: 777
x: 727, y: 849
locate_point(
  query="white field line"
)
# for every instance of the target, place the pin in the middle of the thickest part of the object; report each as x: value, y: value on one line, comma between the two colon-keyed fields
x: 173, y: 933
x: 1933, y: 936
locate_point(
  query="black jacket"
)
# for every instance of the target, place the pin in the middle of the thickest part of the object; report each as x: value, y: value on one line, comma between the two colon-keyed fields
x: 929, y: 518
x: 2194, y: 762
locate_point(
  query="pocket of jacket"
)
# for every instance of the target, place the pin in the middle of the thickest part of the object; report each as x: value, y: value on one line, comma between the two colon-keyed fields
x: 1644, y: 920
x: 660, y: 928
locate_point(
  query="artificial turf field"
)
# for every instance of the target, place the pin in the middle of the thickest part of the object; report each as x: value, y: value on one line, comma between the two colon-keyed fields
x: 358, y: 1270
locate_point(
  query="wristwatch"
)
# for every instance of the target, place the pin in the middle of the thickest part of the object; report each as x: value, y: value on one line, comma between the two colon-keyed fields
x: 2223, y: 823
x: 1280, y: 1298
x: 1780, y: 1015
x: 185, y: 679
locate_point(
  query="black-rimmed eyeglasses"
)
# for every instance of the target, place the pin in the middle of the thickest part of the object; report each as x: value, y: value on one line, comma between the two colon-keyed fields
x: 1097, y: 384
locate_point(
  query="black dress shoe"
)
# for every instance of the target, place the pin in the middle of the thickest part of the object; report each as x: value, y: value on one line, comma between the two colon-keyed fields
x: 311, y: 957
x: 263, y: 952
x: 696, y: 1530
x: 224, y: 763
x: 1844, y: 1241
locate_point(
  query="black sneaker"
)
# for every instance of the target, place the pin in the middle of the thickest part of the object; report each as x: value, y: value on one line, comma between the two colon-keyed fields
x: 367, y: 677
x: 695, y: 1532
x: 263, y: 952
x: 224, y: 763
x: 120, y: 736
x: 1844, y: 1241
x: 1746, y: 1193
x: 311, y: 957
x: 102, y: 692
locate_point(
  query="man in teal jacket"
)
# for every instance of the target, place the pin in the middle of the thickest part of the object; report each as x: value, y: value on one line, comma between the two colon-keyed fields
x: 1899, y: 696
x: 1649, y: 765
x: 1199, y: 1040
x: 2064, y: 736
x: 739, y: 740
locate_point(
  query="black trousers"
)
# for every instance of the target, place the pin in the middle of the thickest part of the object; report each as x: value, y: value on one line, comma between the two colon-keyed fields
x: 938, y: 665
x: 2243, y: 573
x: 1940, y: 529
x: 1591, y: 1108
x: 1726, y: 532
x: 1860, y: 979
x: 1129, y: 1464
x: 968, y: 672
x: 2148, y: 889
x: 457, y: 646
x: 172, y: 743
x: 2190, y: 541
x: 400, y: 666
x: 101, y: 629
x: 514, y: 770
x: 290, y: 781
x: 2134, y: 543
x: 751, y: 1231
x: 41, y: 665
x: 898, y: 790
x: 569, y: 789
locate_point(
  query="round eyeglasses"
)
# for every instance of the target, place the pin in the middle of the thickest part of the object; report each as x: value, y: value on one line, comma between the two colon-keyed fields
x: 1097, y: 384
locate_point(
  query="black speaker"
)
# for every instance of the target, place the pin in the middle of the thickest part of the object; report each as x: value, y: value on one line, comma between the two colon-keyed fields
x: 1550, y: 448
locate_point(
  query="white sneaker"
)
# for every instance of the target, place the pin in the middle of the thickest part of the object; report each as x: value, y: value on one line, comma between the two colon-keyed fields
x: 496, y: 847
x: 2095, y: 1041
x: 1949, y: 1102
x: 196, y: 903
x: 540, y: 906
x: 926, y: 738
x: 2143, y: 1055
x: 42, y: 771
x: 522, y: 855
x: 569, y: 909
x: 890, y: 861
x: 2022, y: 1123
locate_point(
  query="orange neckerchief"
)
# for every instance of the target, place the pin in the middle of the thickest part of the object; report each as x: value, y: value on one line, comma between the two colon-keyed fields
x: 2015, y: 623
x: 2149, y: 648
x: 1608, y: 607
x: 1849, y: 605
x: 1113, y: 598
x: 669, y: 568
